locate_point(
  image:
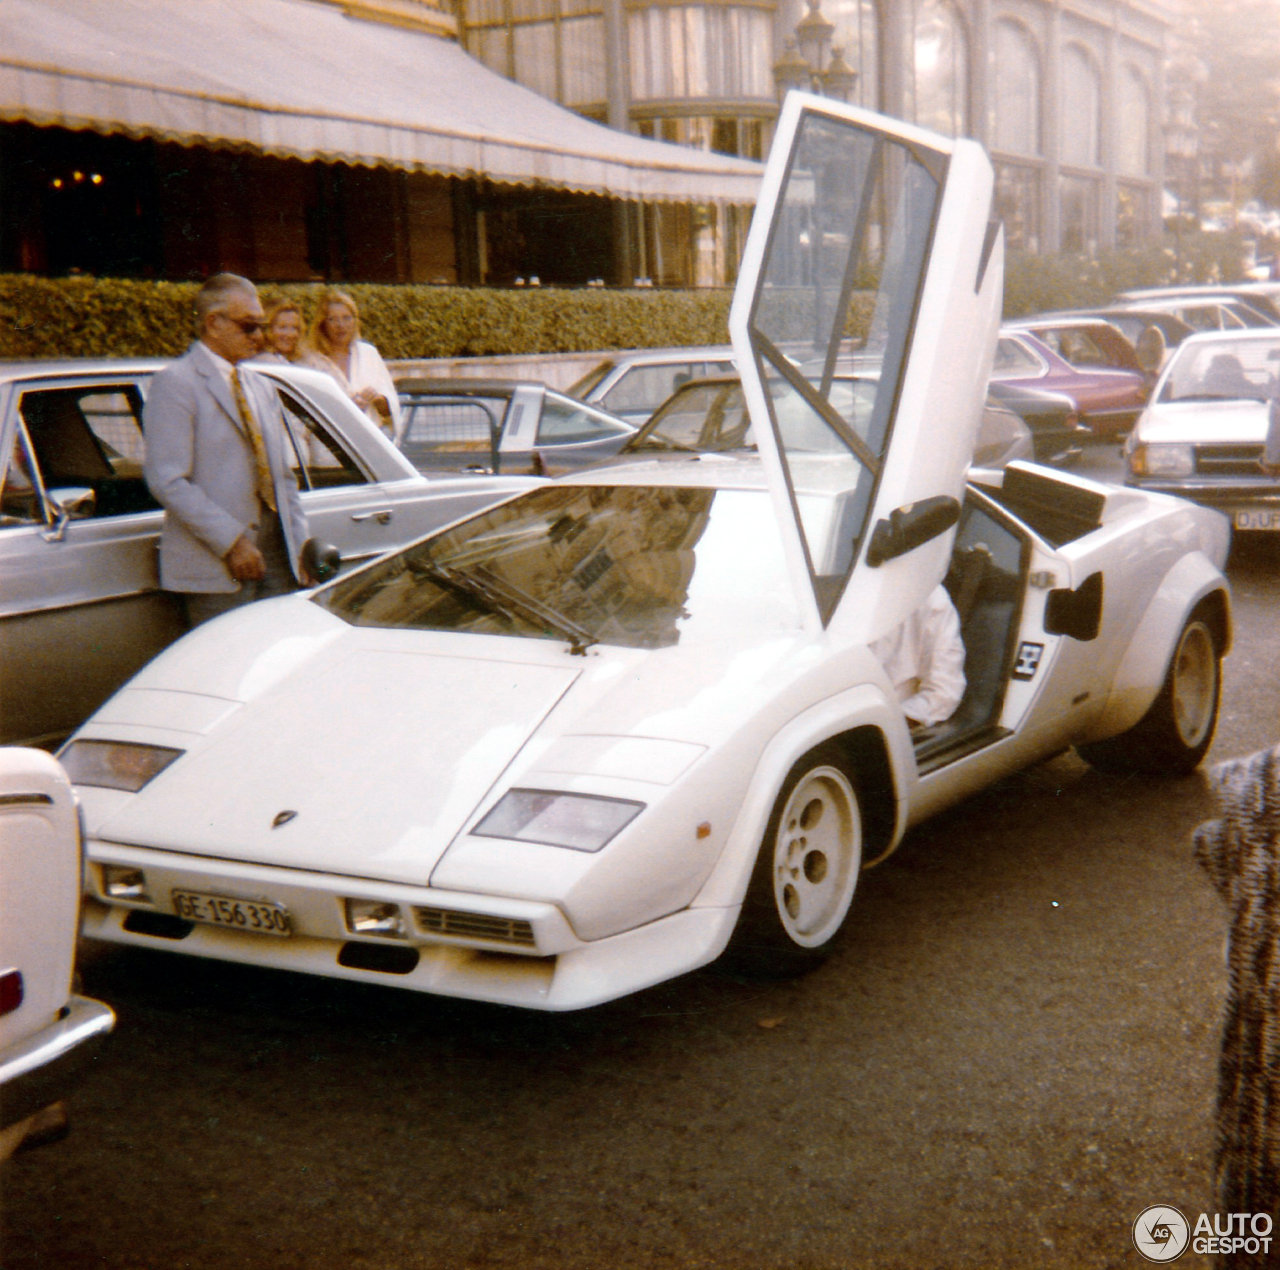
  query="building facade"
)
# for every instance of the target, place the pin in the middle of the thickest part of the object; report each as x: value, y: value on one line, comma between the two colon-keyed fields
x: 1068, y: 95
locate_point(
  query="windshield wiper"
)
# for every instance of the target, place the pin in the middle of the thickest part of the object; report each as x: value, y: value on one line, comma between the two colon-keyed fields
x: 506, y: 599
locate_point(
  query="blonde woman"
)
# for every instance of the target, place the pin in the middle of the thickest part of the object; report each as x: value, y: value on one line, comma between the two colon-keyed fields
x: 284, y: 333
x: 353, y: 362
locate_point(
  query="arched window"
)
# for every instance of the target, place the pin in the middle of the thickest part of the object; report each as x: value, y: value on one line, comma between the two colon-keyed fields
x: 1015, y: 105
x: 1134, y: 108
x: 938, y: 83
x: 1081, y: 108
x: 857, y: 34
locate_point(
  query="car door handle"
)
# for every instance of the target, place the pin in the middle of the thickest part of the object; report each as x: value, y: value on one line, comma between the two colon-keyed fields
x: 382, y: 516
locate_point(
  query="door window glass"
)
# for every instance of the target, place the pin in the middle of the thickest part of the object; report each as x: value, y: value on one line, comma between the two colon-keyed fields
x: 88, y: 447
x: 20, y: 502
x: 1014, y: 361
x: 320, y: 460
x: 452, y: 431
x: 564, y: 422
x: 838, y: 292
x: 645, y: 388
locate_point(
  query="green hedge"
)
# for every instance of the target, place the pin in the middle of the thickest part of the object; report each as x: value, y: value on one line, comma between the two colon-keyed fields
x: 83, y: 317
x: 1034, y: 284
x: 88, y: 317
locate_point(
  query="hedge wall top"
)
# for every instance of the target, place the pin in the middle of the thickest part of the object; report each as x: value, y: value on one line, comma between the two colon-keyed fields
x: 303, y: 80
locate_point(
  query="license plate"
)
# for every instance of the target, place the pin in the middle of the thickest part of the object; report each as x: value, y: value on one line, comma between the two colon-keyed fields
x: 1257, y: 518
x: 254, y: 917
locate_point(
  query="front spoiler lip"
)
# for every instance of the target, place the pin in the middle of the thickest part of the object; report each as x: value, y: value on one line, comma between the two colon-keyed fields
x: 42, y: 1068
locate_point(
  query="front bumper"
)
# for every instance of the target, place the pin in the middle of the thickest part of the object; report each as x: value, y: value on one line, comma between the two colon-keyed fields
x: 43, y: 1068
x: 480, y: 947
x: 1231, y: 498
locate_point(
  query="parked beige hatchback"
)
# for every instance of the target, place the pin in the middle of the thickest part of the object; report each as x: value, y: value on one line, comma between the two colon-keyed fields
x: 80, y: 606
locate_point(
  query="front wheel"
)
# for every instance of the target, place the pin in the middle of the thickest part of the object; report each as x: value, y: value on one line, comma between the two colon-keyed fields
x: 806, y: 870
x: 1174, y: 735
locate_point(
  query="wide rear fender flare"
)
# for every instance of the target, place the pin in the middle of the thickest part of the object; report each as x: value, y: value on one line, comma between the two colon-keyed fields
x: 865, y: 706
x: 1141, y: 671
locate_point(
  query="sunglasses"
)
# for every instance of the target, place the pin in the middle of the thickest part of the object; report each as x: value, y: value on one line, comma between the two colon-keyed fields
x: 250, y: 326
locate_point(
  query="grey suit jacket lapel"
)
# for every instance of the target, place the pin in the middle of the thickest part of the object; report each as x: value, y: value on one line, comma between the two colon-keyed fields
x: 219, y: 387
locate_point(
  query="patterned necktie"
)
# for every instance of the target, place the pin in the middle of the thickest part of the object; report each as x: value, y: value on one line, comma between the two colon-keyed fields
x: 266, y: 487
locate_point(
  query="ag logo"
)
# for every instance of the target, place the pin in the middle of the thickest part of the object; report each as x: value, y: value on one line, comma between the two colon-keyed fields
x: 1161, y: 1233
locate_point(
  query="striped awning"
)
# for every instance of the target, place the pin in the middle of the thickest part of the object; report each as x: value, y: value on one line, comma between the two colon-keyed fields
x: 305, y: 80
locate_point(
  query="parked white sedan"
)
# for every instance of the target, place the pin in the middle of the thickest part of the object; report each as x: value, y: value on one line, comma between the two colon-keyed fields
x: 589, y: 738
x: 1203, y: 434
x: 81, y: 607
x: 47, y: 1034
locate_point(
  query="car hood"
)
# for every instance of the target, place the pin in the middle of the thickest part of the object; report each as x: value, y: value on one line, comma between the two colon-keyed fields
x: 380, y: 752
x: 1201, y: 422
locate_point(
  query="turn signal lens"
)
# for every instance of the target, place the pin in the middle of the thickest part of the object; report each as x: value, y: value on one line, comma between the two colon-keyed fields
x: 116, y: 764
x: 373, y: 917
x: 122, y: 883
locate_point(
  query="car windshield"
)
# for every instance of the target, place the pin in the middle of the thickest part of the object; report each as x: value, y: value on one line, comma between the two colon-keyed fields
x: 635, y: 566
x: 1224, y: 370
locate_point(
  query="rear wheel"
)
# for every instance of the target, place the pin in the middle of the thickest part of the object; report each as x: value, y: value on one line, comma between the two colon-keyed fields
x: 806, y: 871
x: 1175, y: 734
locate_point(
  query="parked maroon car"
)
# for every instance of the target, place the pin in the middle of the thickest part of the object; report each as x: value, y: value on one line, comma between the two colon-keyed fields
x: 1109, y: 398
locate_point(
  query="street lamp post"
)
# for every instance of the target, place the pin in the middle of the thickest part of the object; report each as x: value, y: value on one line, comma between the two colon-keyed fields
x: 805, y: 63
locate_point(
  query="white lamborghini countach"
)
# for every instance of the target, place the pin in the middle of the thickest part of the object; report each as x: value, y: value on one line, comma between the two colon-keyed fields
x: 597, y: 735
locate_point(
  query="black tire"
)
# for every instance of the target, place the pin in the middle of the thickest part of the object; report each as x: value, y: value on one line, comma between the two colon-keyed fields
x: 805, y: 873
x: 1176, y: 732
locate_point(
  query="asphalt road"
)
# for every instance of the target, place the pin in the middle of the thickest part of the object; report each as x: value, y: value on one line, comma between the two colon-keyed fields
x: 1012, y: 1055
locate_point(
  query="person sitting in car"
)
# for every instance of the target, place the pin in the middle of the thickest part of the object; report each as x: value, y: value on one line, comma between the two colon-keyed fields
x: 924, y: 659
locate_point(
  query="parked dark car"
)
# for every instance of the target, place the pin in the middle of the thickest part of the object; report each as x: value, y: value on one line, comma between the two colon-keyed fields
x: 1109, y: 400
x: 507, y: 426
x: 1057, y: 434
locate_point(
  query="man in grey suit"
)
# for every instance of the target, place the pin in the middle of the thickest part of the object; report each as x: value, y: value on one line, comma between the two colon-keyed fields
x: 218, y: 460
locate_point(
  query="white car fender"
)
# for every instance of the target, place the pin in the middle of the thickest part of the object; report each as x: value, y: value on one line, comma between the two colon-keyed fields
x: 863, y: 706
x: 1140, y: 674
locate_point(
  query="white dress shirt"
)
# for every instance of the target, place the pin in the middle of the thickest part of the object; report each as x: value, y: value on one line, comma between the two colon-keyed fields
x: 924, y: 659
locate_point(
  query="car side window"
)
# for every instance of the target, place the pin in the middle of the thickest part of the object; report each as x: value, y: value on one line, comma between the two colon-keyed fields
x: 320, y: 460
x: 88, y: 448
x: 647, y: 387
x: 20, y: 502
x: 448, y: 431
x: 1013, y: 361
x: 564, y: 422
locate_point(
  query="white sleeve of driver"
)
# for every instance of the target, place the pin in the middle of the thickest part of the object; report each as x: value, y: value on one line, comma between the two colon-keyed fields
x: 941, y: 671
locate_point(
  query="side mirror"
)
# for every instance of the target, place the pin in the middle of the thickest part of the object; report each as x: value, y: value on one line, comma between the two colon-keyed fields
x: 1077, y: 613
x: 320, y: 559
x: 68, y: 503
x: 910, y: 527
x: 78, y: 501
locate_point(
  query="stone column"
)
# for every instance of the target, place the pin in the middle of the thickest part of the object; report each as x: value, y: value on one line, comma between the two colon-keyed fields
x: 1050, y: 200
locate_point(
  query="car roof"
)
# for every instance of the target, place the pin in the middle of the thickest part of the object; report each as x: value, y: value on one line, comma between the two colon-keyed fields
x: 68, y: 366
x: 469, y: 387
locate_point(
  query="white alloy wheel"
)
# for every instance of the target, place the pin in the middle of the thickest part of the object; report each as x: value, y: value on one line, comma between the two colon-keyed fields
x: 1193, y: 685
x: 816, y: 854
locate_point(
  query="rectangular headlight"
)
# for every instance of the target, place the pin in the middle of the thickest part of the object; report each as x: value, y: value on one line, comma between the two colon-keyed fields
x: 582, y: 822
x: 1162, y: 460
x: 116, y: 764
